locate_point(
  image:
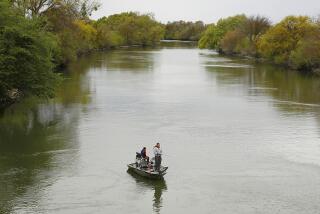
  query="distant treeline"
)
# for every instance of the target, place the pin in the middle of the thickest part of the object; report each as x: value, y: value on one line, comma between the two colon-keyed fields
x: 293, y: 42
x: 181, y: 30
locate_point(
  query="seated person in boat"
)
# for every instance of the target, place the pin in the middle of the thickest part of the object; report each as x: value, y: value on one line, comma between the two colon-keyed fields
x: 157, y: 156
x: 144, y: 154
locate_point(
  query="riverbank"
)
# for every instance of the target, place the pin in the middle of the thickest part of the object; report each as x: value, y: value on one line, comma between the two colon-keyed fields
x: 294, y: 42
x: 260, y: 60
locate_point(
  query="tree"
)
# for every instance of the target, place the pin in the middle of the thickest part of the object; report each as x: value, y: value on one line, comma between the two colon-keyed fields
x: 215, y: 33
x: 76, y: 34
x: 26, y: 52
x: 243, y: 40
x: 234, y: 42
x: 128, y: 29
x: 83, y: 8
x: 208, y: 39
x: 306, y: 55
x: 279, y: 41
x: 34, y: 7
x: 87, y: 34
x: 61, y: 22
x: 255, y: 26
x: 181, y: 30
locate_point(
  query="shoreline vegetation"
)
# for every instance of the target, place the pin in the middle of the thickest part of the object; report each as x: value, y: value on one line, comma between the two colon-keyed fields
x: 37, y: 38
x: 294, y: 42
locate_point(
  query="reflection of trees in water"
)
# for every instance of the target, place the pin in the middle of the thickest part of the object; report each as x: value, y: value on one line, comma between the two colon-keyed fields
x: 133, y: 60
x: 291, y: 90
x: 178, y: 44
x: 30, y: 141
x: 157, y: 185
x: 36, y: 140
x: 76, y: 87
x: 291, y: 86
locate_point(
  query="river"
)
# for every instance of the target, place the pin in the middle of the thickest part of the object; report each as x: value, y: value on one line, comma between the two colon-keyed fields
x: 238, y: 137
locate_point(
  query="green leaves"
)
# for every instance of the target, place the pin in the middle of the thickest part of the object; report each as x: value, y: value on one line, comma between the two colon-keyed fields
x: 306, y: 55
x: 128, y: 29
x: 215, y: 33
x: 182, y: 30
x: 294, y: 42
x: 25, y: 56
x: 278, y: 43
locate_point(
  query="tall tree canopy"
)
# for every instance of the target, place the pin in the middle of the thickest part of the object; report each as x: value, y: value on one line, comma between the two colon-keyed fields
x: 38, y: 7
x: 215, y: 33
x: 129, y: 29
x: 26, y: 52
x: 244, y: 39
x: 279, y: 41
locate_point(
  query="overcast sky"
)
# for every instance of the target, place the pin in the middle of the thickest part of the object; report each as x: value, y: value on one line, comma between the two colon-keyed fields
x: 210, y: 10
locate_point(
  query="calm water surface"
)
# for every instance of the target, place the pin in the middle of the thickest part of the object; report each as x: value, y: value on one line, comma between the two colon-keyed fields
x: 237, y: 137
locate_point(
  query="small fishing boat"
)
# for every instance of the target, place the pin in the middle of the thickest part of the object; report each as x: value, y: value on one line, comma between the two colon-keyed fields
x: 148, y: 173
x: 145, y: 169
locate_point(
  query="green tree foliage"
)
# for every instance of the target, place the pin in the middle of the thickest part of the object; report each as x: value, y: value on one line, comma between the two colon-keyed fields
x: 181, y: 30
x: 280, y: 41
x: 208, y: 38
x: 61, y: 23
x: 76, y: 33
x: 83, y: 8
x: 243, y: 40
x: 306, y: 55
x: 255, y: 26
x: 294, y: 42
x: 128, y: 29
x: 26, y: 52
x: 108, y: 38
x: 215, y: 33
x: 234, y: 42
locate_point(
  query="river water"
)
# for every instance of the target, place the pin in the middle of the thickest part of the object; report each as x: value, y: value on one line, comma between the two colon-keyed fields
x: 238, y: 137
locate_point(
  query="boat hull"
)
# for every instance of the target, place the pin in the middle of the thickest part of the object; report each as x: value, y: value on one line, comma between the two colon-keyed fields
x: 147, y: 173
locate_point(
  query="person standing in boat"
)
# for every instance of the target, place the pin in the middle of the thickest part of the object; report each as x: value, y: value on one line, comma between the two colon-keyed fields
x: 157, y: 156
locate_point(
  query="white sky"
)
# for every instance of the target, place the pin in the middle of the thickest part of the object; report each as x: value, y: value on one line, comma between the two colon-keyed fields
x: 210, y: 10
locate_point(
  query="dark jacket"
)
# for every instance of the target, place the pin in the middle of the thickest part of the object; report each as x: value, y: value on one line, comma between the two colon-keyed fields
x: 144, y: 153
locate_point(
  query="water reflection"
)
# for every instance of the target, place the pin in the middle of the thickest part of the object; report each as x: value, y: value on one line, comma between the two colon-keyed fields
x: 292, y: 91
x: 36, y: 140
x: 132, y: 59
x: 178, y: 44
x: 158, y: 186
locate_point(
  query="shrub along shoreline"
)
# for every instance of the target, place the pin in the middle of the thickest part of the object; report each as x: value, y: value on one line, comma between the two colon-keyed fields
x: 37, y: 37
x: 294, y: 42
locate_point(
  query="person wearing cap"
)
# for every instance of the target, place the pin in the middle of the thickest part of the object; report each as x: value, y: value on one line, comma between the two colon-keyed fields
x: 157, y: 156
